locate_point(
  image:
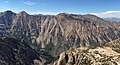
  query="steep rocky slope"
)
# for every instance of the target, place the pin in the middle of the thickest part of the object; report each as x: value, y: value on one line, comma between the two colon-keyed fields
x: 16, y: 52
x: 6, y: 18
x: 104, y: 55
x: 56, y: 33
x: 95, y: 18
x: 60, y: 32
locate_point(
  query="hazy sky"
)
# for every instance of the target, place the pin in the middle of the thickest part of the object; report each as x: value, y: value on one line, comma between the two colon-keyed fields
x: 97, y: 7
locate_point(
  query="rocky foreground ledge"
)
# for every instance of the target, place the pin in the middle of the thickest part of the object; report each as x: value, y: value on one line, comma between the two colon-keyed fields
x: 85, y: 56
x: 105, y: 55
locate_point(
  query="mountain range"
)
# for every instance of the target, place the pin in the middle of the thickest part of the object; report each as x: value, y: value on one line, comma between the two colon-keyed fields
x: 53, y: 34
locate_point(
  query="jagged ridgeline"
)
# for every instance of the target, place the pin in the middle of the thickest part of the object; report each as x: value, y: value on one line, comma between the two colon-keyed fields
x: 56, y: 33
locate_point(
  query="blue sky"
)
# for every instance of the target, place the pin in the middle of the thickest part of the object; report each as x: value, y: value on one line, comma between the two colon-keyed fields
x: 56, y: 6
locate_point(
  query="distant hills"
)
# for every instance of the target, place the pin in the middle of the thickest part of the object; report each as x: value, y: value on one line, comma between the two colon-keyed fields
x: 112, y: 19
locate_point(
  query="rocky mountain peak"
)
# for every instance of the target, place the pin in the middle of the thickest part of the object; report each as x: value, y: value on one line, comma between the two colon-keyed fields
x: 94, y: 17
x: 64, y: 16
x: 23, y: 13
x: 6, y: 18
x: 8, y: 12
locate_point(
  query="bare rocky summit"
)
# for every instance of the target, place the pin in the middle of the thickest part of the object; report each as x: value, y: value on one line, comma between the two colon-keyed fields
x: 104, y: 55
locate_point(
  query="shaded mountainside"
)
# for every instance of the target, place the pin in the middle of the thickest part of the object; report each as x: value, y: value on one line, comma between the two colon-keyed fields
x: 104, y: 55
x: 56, y: 33
x: 15, y: 52
x: 6, y: 18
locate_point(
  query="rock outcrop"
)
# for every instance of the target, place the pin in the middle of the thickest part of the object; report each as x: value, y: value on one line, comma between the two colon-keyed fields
x: 104, y: 55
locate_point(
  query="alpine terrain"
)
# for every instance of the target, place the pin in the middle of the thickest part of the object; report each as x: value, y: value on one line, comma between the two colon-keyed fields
x: 62, y: 39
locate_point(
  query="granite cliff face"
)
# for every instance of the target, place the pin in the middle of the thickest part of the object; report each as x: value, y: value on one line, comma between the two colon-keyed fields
x: 57, y: 33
